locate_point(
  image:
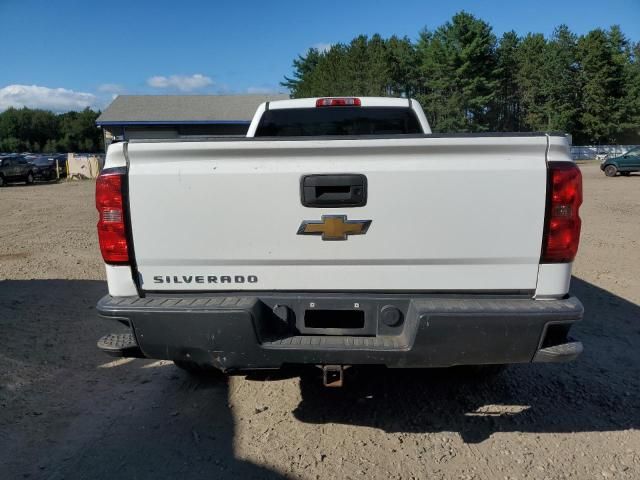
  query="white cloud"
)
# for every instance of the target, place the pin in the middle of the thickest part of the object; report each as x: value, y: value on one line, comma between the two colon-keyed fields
x: 322, y: 47
x: 111, y: 88
x: 184, y: 83
x: 36, y: 96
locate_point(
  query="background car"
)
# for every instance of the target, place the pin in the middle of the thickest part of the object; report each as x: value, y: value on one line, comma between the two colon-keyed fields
x: 623, y: 164
x: 44, y: 168
x: 15, y: 168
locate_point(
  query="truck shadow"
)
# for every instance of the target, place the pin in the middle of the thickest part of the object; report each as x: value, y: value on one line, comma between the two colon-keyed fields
x: 144, y: 420
x: 598, y: 392
x: 62, y: 417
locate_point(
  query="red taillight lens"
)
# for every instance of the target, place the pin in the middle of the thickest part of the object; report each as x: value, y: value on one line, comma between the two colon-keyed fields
x: 111, y: 229
x: 338, y: 102
x: 562, y: 220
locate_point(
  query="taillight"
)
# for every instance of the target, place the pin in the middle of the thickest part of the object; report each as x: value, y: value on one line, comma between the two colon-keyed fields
x: 562, y: 220
x: 338, y: 102
x: 111, y: 227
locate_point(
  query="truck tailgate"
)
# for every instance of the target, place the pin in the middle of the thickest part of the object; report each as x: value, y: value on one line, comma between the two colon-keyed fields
x: 447, y: 214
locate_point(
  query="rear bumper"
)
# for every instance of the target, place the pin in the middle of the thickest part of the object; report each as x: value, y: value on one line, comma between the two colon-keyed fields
x: 253, y: 332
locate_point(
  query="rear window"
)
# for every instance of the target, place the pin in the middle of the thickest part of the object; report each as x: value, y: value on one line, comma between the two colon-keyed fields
x: 300, y: 122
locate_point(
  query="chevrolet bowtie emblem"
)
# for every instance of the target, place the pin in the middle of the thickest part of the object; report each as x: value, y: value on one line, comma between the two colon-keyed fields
x: 334, y: 227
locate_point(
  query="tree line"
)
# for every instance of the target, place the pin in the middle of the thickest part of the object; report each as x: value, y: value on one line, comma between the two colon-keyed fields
x: 42, y: 131
x: 468, y: 80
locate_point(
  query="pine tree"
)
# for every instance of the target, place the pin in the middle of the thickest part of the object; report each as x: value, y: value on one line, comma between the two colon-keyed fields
x: 631, y: 122
x: 561, y: 69
x: 625, y: 56
x: 587, y: 86
x: 601, y: 81
x: 458, y: 64
x: 303, y: 68
x: 506, y: 111
x: 402, y: 60
x: 376, y: 69
x: 49, y: 147
x: 531, y: 78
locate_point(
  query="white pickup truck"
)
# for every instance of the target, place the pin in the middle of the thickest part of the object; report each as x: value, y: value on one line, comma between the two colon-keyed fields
x: 341, y: 232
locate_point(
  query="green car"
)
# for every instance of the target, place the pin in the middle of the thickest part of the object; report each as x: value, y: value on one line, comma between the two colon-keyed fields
x: 624, y: 164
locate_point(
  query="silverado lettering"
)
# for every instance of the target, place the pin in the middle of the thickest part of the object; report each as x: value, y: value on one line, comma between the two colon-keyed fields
x: 205, y: 279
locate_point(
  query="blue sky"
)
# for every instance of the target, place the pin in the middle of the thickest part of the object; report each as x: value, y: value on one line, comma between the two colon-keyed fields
x: 66, y: 54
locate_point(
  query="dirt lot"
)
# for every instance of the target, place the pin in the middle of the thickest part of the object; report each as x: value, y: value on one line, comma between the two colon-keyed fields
x: 66, y: 411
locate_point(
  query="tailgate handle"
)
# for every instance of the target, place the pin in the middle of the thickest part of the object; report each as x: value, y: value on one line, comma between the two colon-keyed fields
x: 339, y: 190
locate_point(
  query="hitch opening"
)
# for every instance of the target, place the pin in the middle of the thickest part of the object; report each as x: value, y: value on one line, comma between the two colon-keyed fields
x: 333, y: 375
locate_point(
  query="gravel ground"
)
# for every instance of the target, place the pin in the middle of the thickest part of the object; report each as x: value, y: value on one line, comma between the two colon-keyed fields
x: 67, y: 411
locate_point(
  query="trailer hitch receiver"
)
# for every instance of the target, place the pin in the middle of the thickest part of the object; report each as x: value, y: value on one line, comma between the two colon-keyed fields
x: 333, y: 375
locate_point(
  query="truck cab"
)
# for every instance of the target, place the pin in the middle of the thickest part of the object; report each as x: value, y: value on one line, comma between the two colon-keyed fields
x: 339, y: 116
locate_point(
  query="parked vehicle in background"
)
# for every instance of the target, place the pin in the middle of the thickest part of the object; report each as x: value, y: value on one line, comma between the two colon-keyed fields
x: 15, y: 168
x: 44, y: 168
x: 623, y: 164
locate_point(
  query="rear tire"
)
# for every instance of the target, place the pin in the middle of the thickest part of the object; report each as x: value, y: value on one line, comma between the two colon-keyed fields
x: 610, y: 170
x: 29, y: 178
